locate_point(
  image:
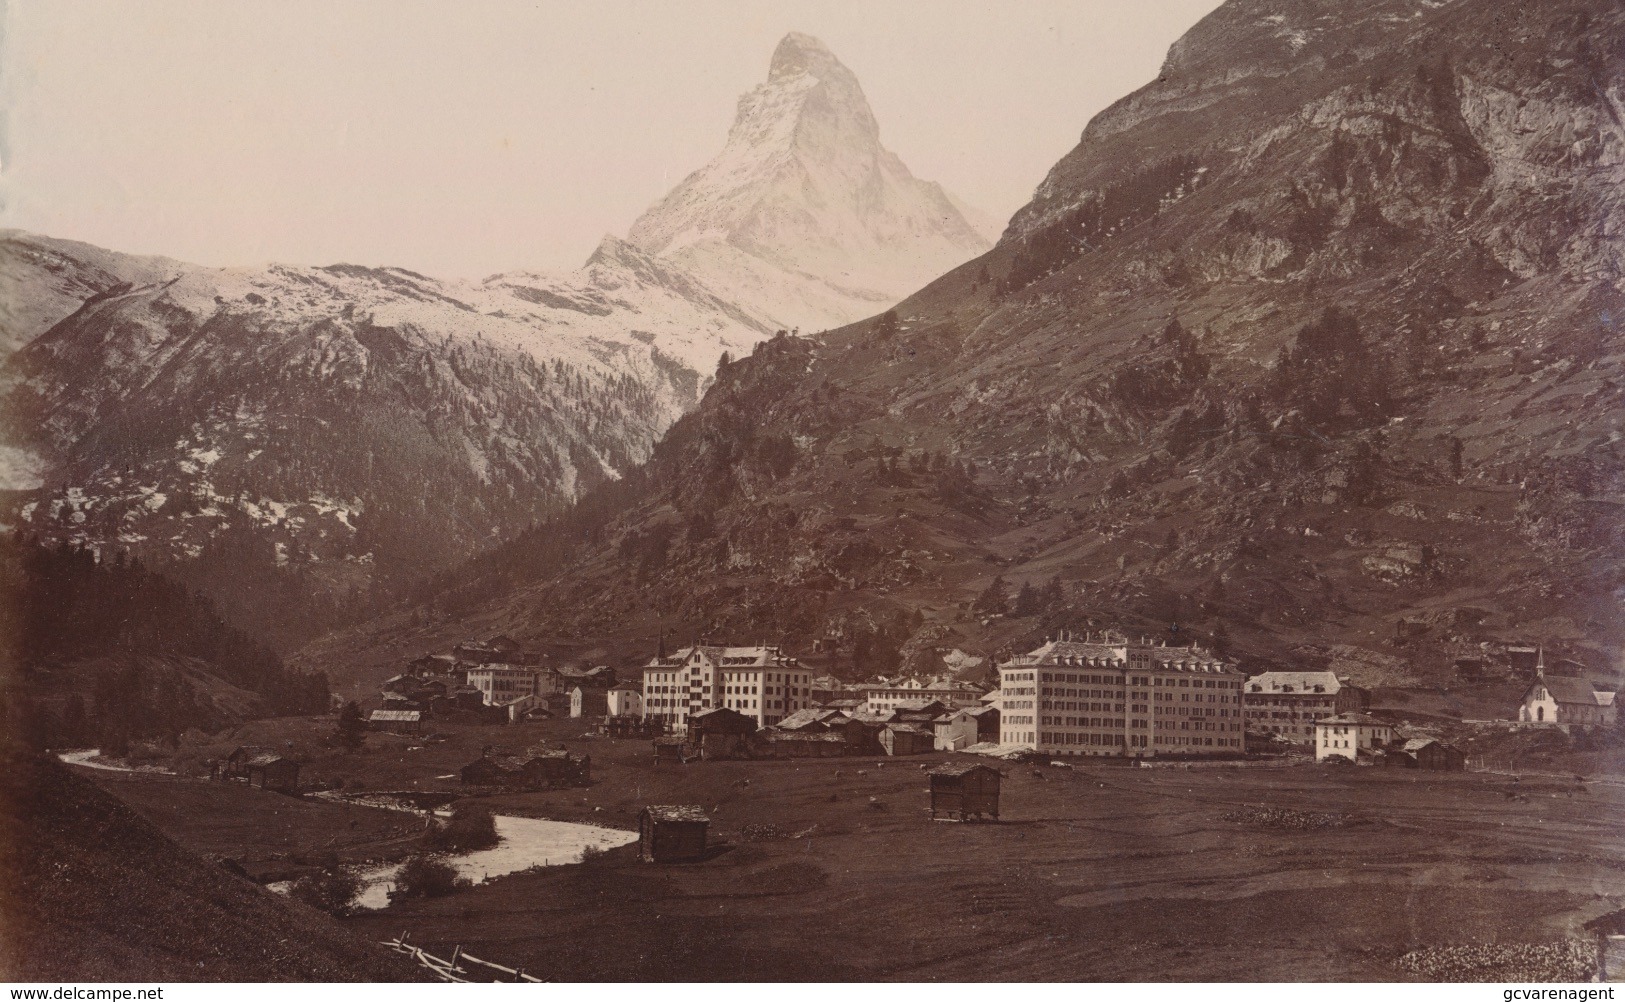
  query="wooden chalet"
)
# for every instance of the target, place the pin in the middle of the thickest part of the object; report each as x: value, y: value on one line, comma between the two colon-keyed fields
x: 965, y: 790
x: 672, y: 834
x: 720, y: 732
x: 261, y: 767
x: 920, y: 712
x: 906, y: 739
x: 987, y: 722
x: 1428, y: 753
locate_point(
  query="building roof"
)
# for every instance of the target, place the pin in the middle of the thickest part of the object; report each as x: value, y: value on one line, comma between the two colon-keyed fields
x: 1113, y: 653
x: 264, y: 758
x: 626, y: 687
x: 676, y: 812
x: 907, y: 728
x: 1417, y: 744
x: 1362, y: 719
x: 1295, y: 682
x: 1572, y: 690
x: 773, y: 734
x: 871, y: 719
x: 396, y: 716
x: 803, y: 718
x: 726, y: 657
x: 981, y: 711
x: 959, y: 768
x: 916, y: 705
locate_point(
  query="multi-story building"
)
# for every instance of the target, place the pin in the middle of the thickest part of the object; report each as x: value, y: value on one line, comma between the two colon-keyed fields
x: 1348, y: 734
x: 1113, y: 697
x: 880, y: 697
x: 1288, y: 703
x: 502, y: 684
x: 762, y: 683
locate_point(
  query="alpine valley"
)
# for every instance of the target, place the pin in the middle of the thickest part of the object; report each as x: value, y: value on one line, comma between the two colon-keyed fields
x: 302, y: 443
x: 1309, y: 348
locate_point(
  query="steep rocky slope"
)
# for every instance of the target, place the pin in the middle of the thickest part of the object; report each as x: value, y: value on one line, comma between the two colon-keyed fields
x: 804, y: 216
x: 1313, y: 334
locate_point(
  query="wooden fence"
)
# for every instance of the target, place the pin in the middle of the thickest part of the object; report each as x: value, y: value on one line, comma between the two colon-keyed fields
x: 453, y: 969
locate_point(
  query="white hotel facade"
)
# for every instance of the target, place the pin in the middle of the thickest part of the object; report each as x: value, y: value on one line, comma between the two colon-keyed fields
x: 1112, y: 697
x: 760, y: 682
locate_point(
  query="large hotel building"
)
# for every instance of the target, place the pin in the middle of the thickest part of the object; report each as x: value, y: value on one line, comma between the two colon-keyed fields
x: 1107, y: 696
x: 762, y: 683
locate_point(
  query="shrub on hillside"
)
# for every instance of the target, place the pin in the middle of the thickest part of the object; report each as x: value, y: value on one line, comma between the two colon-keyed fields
x: 423, y: 877
x: 468, y: 829
x: 332, y: 891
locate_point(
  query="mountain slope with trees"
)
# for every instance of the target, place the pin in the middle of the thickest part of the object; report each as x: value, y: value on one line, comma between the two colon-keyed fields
x: 101, y: 653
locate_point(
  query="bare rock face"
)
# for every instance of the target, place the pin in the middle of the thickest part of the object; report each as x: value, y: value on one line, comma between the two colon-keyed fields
x: 804, y: 217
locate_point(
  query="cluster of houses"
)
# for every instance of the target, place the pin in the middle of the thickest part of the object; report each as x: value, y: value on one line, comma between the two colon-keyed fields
x: 1090, y: 695
x: 495, y: 681
x: 539, y: 768
x: 1094, y: 695
x: 844, y: 727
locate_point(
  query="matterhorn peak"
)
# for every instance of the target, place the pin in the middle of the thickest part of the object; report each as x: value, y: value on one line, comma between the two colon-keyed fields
x: 805, y: 217
x: 798, y: 53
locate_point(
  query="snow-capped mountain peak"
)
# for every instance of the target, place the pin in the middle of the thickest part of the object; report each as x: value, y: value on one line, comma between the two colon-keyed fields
x: 805, y: 217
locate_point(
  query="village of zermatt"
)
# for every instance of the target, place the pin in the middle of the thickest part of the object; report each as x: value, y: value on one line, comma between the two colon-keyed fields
x: 830, y: 581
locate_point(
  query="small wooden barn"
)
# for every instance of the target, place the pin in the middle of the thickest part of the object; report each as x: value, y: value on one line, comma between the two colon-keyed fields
x: 671, y: 834
x: 906, y: 739
x: 720, y: 732
x: 1428, y: 753
x: 260, y: 767
x: 987, y: 722
x: 279, y: 774
x: 964, y: 790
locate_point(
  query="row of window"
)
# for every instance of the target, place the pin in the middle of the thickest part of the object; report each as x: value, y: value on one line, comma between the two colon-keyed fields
x: 1157, y: 681
x: 1108, y: 748
x: 1138, y: 723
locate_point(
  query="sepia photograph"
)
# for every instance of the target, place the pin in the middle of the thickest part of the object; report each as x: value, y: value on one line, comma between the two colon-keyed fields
x: 812, y: 492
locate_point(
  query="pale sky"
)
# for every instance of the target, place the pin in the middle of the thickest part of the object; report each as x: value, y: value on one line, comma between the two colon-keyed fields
x: 463, y: 139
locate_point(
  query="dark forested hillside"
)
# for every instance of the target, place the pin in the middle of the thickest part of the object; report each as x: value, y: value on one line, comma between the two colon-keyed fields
x: 1315, y: 334
x: 103, y: 652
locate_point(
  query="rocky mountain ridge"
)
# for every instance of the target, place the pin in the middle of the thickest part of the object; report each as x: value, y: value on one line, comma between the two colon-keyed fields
x: 331, y: 428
